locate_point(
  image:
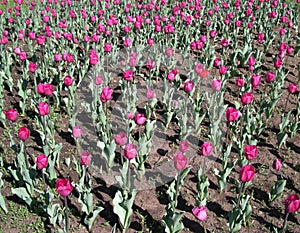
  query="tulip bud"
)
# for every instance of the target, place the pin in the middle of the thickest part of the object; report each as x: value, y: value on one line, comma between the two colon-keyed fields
x: 200, y: 213
x: 180, y: 161
x: 24, y: 133
x: 130, y: 151
x: 277, y: 164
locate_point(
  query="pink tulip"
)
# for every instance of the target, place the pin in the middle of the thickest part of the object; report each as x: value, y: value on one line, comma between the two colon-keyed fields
x: 255, y: 81
x: 129, y: 116
x: 130, y: 151
x: 180, y: 161
x: 217, y: 62
x: 247, y: 98
x: 68, y: 81
x: 292, y: 88
x: 278, y: 63
x: 11, y: 115
x: 232, y: 114
x: 85, y: 158
x: 183, y: 146
x: 292, y: 203
x: 32, y: 67
x: 107, y: 48
x: 251, y: 61
x: 250, y: 152
x: 57, y: 57
x: 76, y: 131
x: 169, y: 52
x: 150, y: 93
x: 216, y: 84
x: 22, y: 56
x: 98, y: 80
x: 188, y: 86
x: 206, y: 149
x: 200, y: 213
x: 121, y: 139
x: 270, y: 77
x: 41, y: 161
x: 94, y: 59
x: 247, y: 173
x: 222, y: 70
x: 240, y: 82
x: 172, y: 74
x: 24, y: 133
x: 127, y: 42
x: 140, y: 118
x: 106, y: 94
x: 43, y: 108
x: 63, y: 187
x: 277, y: 164
x: 128, y: 75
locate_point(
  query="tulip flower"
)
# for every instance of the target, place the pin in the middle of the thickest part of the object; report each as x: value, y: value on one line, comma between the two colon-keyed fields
x: 277, y: 164
x: 85, y: 158
x: 247, y: 173
x: 232, y: 114
x: 42, y: 161
x: 76, y: 131
x: 270, y: 77
x: 216, y: 84
x: 206, y: 149
x: 188, y: 86
x: 180, y: 161
x: 64, y: 188
x: 128, y: 75
x: 200, y: 213
x: 247, y: 98
x: 183, y: 146
x: 292, y: 205
x: 11, y: 115
x: 106, y: 94
x: 43, y: 108
x: 250, y: 152
x: 24, y: 133
x: 130, y: 151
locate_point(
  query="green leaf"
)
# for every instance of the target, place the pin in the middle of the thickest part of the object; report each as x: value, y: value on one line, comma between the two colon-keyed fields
x: 123, y: 206
x: 90, y: 220
x: 277, y: 190
x: 23, y: 194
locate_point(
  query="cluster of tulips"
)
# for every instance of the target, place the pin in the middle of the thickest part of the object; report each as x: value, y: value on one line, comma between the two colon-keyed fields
x: 58, y: 57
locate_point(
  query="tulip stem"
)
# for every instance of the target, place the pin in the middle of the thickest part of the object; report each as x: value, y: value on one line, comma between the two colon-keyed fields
x: 204, y: 227
x: 45, y: 130
x: 121, y: 156
x: 203, y: 164
x: 25, y: 155
x: 240, y: 194
x: 13, y: 131
x: 43, y: 175
x: 285, y: 223
x: 128, y: 175
x: 286, y: 102
x: 66, y: 215
x: 177, y: 187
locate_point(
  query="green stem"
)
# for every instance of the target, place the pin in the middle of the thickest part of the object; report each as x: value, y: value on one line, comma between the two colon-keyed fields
x: 25, y: 155
x: 128, y: 175
x: 177, y: 187
x: 241, y: 192
x: 121, y: 156
x: 43, y: 176
x: 204, y: 227
x: 285, y: 223
x: 66, y: 215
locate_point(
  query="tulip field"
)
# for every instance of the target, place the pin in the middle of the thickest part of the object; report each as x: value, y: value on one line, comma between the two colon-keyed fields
x: 149, y: 116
